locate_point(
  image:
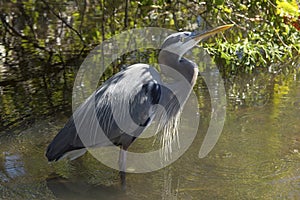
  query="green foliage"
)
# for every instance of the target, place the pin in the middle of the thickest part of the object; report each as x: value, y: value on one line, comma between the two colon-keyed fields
x: 287, y: 7
x: 260, y: 37
x: 67, y: 29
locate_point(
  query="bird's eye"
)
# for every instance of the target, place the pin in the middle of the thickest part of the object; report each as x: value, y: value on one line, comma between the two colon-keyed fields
x: 186, y: 34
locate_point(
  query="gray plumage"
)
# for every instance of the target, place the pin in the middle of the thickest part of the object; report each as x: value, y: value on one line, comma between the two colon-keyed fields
x: 139, y: 99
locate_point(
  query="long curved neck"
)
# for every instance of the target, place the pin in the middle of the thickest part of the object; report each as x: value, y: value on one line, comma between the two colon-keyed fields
x: 182, y: 66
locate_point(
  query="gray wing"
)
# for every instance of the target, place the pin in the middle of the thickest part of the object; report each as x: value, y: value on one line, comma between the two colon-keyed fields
x: 127, y: 107
x: 141, y: 112
x: 117, y: 113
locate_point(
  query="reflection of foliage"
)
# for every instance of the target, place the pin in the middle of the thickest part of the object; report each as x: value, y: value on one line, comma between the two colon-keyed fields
x: 43, y: 42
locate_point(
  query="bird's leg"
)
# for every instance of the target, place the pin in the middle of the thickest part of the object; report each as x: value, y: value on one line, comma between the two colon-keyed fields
x: 122, y: 166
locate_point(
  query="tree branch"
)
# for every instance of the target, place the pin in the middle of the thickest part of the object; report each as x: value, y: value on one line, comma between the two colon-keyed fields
x: 64, y: 21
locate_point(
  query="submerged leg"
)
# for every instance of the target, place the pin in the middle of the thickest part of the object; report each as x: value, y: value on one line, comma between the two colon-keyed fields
x: 122, y: 167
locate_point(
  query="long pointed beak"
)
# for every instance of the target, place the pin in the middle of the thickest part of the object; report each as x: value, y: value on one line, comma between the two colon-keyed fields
x: 218, y: 29
x: 196, y: 38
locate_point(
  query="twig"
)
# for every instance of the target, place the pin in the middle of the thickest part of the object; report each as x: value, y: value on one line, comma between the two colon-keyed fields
x: 281, y: 39
x: 64, y: 21
x: 237, y: 25
x: 103, y: 19
x: 126, y: 14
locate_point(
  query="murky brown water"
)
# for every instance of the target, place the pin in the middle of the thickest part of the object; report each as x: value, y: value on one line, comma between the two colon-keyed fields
x: 256, y: 157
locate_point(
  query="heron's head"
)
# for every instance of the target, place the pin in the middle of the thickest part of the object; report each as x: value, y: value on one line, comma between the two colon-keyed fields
x: 181, y: 42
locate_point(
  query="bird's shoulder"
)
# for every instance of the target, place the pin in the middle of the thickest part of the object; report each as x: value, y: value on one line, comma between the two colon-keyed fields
x: 130, y: 80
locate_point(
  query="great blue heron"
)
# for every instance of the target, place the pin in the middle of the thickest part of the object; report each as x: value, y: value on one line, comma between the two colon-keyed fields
x: 144, y: 91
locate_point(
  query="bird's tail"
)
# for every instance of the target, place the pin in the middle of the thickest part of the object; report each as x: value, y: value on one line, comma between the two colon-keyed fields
x: 66, y: 144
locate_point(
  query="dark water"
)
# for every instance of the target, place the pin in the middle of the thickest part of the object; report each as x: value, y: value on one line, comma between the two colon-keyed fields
x: 256, y: 157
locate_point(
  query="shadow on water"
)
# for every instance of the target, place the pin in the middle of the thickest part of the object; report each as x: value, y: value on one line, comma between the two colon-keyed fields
x: 79, y: 190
